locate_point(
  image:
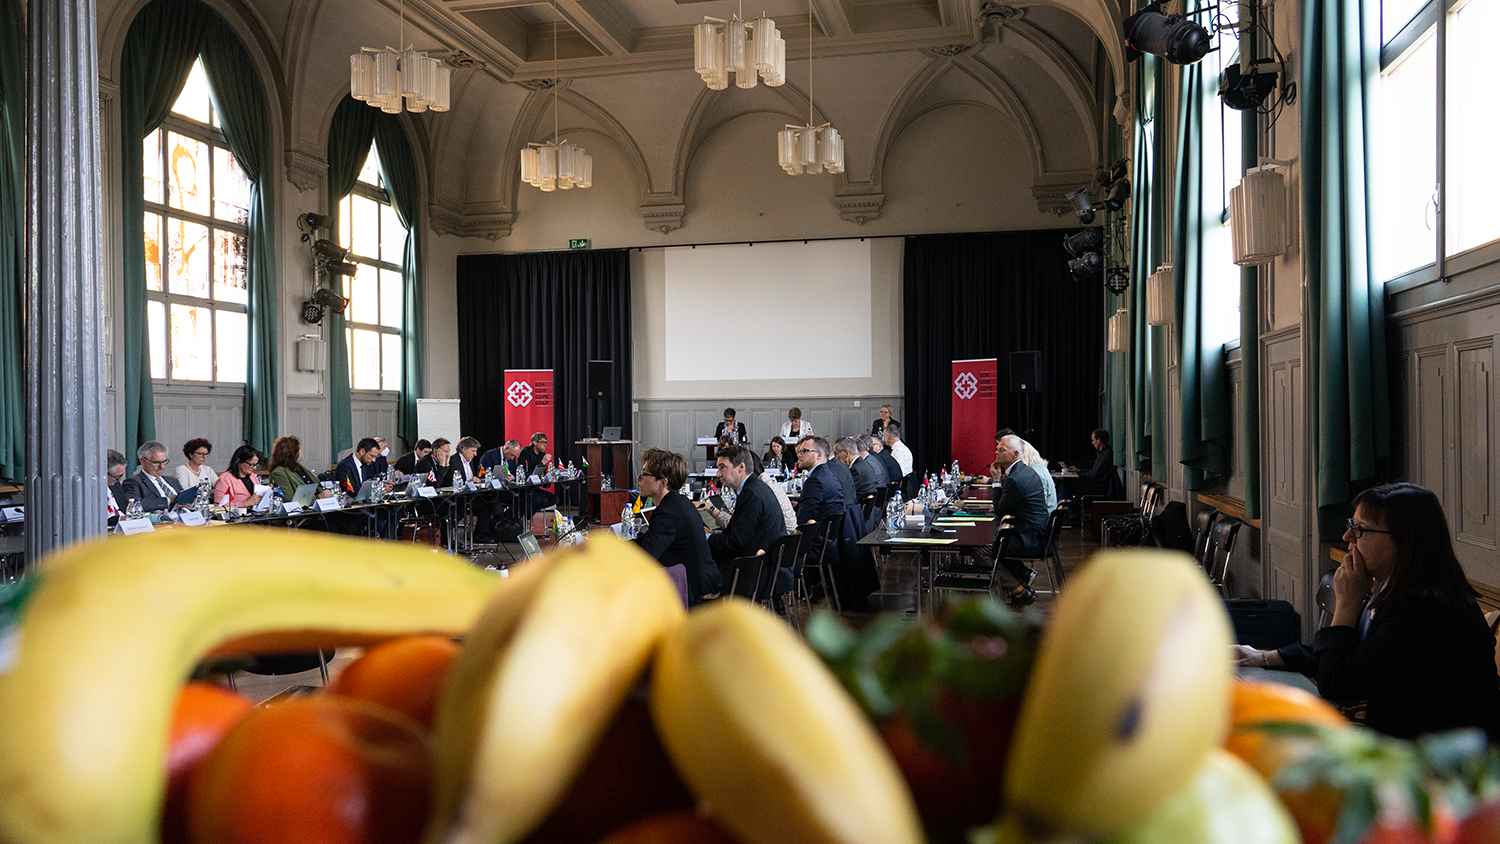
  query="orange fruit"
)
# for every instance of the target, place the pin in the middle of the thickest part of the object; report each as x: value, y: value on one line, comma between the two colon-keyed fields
x: 319, y: 769
x: 673, y: 828
x: 203, y: 714
x: 1315, y: 810
x: 404, y: 674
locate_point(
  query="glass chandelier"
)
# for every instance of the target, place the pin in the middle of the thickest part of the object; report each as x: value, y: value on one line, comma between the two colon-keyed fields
x: 384, y: 77
x: 721, y: 46
x: 810, y: 149
x: 556, y: 163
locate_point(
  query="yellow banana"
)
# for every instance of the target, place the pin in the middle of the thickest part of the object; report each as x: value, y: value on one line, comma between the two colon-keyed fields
x: 761, y: 730
x: 541, y: 676
x: 1226, y: 803
x: 89, y: 676
x: 1129, y: 693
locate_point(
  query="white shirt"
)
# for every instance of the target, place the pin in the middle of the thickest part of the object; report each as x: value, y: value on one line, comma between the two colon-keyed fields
x: 805, y: 430
x: 902, y: 455
x: 186, y: 477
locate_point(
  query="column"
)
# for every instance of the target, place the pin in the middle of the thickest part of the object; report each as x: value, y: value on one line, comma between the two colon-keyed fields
x: 65, y: 475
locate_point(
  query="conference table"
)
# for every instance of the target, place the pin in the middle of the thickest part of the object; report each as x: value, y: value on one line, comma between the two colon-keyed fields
x: 952, y: 532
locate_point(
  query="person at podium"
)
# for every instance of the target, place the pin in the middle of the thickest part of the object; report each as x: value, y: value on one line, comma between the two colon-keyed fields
x: 735, y: 431
x: 794, y: 428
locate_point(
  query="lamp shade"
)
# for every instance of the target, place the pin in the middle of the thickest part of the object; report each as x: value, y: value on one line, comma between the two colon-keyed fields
x: 1257, y: 216
x: 1118, y: 329
x: 1161, y: 296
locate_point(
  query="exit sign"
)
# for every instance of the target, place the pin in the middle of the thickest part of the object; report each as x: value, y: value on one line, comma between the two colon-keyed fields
x: 578, y: 243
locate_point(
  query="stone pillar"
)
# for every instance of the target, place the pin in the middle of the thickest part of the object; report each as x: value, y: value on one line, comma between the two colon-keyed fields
x: 65, y: 474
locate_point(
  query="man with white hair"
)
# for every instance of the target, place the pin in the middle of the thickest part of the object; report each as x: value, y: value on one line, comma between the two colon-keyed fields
x: 154, y: 489
x: 1018, y: 494
x: 1033, y: 458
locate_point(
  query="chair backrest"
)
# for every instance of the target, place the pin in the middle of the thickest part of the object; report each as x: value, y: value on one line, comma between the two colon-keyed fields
x: 1224, y: 532
x: 1054, y: 531
x: 870, y: 504
x: 1203, y: 536
x: 1324, y: 598
x: 784, y: 550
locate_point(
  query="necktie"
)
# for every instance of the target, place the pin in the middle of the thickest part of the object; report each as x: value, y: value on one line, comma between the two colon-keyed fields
x: 161, y: 487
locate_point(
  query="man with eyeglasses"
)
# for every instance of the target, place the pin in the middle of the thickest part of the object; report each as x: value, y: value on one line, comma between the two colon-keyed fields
x: 115, y: 467
x: 154, y: 489
x: 826, y: 494
x: 756, y: 522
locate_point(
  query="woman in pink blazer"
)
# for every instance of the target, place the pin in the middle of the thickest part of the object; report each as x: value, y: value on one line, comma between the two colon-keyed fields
x: 238, y: 483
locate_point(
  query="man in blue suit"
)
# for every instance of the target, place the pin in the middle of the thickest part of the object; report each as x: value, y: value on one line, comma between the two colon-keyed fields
x: 826, y: 493
x: 756, y: 522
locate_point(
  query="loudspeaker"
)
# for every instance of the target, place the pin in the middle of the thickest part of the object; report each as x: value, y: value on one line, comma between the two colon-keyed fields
x: 1025, y: 372
x: 601, y: 372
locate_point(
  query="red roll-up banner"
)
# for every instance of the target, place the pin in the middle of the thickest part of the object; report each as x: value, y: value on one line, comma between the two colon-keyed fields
x: 528, y: 406
x: 974, y: 396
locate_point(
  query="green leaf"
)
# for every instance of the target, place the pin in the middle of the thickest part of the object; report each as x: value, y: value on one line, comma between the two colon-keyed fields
x: 13, y: 599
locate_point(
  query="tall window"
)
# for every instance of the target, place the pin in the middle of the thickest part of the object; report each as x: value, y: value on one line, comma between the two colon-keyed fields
x: 375, y: 238
x: 197, y: 208
x: 1416, y: 191
x: 1222, y: 169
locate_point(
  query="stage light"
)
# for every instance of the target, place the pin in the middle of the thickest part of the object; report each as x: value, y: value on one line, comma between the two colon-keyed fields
x: 1119, y: 194
x: 1246, y: 91
x: 1173, y: 37
x: 312, y: 221
x: 330, y: 250
x: 343, y: 268
x: 1082, y: 205
x: 1083, y: 240
x: 327, y: 298
x: 1117, y: 280
x: 1086, y: 265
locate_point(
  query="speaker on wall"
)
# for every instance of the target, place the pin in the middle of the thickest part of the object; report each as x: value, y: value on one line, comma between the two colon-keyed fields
x: 1026, y: 372
x: 601, y: 372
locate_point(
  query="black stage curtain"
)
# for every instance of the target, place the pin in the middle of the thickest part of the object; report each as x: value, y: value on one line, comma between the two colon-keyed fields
x: 546, y: 310
x: 987, y: 295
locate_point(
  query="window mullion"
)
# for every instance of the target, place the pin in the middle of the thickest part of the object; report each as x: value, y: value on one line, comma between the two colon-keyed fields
x: 1441, y: 228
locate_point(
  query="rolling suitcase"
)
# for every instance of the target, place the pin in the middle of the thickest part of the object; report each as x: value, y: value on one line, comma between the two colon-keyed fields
x: 1263, y: 624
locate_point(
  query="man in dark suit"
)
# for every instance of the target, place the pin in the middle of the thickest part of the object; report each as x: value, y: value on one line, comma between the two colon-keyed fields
x: 735, y: 431
x: 437, y: 465
x: 675, y: 536
x: 826, y: 493
x: 1098, y: 478
x: 846, y: 450
x: 359, y: 466
x: 867, y: 465
x: 154, y: 489
x: 1019, y: 495
x: 407, y: 465
x: 115, y: 467
x: 756, y: 522
x: 887, y: 460
x: 533, y: 460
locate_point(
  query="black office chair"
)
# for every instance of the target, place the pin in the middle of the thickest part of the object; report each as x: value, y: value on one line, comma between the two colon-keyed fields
x: 974, y: 577
x: 1224, y: 533
x: 1050, y: 561
x: 780, y: 586
x: 1203, y: 536
x: 1324, y: 598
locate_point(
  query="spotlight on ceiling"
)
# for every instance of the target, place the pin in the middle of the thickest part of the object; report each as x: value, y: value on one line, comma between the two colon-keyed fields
x: 1082, y: 205
x: 1119, y: 194
x: 343, y: 268
x: 330, y: 250
x: 1086, y: 265
x: 1246, y: 91
x: 312, y: 221
x: 1117, y: 280
x: 1173, y: 37
x: 327, y: 298
x: 1083, y: 240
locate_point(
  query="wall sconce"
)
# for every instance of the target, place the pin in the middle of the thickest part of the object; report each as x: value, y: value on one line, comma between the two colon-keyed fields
x: 1118, y: 330
x: 1161, y: 296
x: 1257, y: 215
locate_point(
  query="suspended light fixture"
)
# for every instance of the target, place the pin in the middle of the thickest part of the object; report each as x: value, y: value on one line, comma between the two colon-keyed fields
x: 385, y: 77
x: 556, y: 163
x: 1161, y: 296
x: 810, y: 149
x: 1118, y: 327
x: 721, y: 47
x: 1257, y: 216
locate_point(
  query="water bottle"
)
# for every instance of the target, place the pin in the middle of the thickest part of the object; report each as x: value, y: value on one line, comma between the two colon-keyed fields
x: 627, y: 523
x: 133, y: 508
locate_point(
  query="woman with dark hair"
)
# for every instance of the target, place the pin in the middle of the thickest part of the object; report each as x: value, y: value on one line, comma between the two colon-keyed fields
x: 779, y: 456
x: 196, y: 469
x: 287, y: 471
x: 237, y: 483
x: 1420, y: 653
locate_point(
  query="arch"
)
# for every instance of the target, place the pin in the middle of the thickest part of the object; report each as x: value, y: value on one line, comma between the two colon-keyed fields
x: 700, y: 123
x: 1104, y: 18
x: 525, y: 129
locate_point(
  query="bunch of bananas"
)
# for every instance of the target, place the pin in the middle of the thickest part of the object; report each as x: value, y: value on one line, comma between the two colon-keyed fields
x: 1119, y: 722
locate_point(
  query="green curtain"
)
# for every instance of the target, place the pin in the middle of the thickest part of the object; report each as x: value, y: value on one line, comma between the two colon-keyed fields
x: 160, y: 48
x: 1145, y: 255
x: 1204, y: 394
x: 399, y: 168
x: 1249, y: 422
x: 349, y: 140
x: 1116, y: 380
x: 12, y: 239
x: 241, y: 106
x: 1345, y: 305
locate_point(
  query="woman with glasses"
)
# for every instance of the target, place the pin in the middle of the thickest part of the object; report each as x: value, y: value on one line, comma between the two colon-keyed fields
x: 238, y: 482
x: 287, y: 471
x: 676, y: 536
x: 1420, y: 652
x: 196, y: 469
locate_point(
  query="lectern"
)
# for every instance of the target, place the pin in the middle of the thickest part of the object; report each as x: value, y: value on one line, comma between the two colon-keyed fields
x: 607, y: 458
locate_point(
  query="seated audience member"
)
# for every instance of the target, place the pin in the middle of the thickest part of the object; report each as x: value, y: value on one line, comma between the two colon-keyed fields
x: 779, y: 456
x: 828, y: 492
x: 498, y: 459
x: 735, y: 431
x: 154, y: 489
x: 1099, y: 478
x: 382, y: 465
x: 1420, y: 653
x: 196, y: 469
x: 724, y: 441
x: 879, y: 451
x: 897, y: 448
x: 436, y: 465
x: 868, y: 464
x: 1018, y: 494
x: 1031, y: 457
x: 756, y: 522
x: 675, y: 536
x: 465, y: 461
x: 534, y: 460
x: 407, y: 465
x: 359, y: 466
x: 115, y: 469
x: 788, y: 512
x: 287, y: 471
x: 877, y: 428
x: 795, y: 427
x: 846, y: 449
x: 236, y: 485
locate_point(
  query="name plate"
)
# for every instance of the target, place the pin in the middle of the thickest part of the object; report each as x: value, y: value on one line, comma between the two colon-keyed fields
x: 496, y: 483
x: 131, y: 527
x: 13, y: 514
x: 326, y: 505
x: 534, y: 479
x: 291, y: 508
x: 426, y: 492
x: 471, y: 487
x: 191, y: 518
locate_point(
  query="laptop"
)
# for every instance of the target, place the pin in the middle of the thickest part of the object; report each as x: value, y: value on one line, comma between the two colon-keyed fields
x: 611, y: 433
x: 186, y: 497
x: 530, y: 545
x: 366, y: 491
x: 305, y: 494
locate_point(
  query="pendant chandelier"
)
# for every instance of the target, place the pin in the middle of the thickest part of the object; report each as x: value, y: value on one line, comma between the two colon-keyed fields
x: 721, y: 46
x: 384, y: 77
x: 810, y: 149
x: 556, y: 163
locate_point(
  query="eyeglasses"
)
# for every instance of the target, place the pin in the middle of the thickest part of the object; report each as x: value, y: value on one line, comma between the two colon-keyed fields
x: 200, y: 453
x: 645, y: 474
x: 1360, y: 531
x: 254, y: 464
x: 802, y: 451
x: 155, y: 462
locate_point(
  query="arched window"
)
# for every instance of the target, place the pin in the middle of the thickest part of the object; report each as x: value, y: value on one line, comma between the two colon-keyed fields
x: 375, y: 238
x: 196, y: 238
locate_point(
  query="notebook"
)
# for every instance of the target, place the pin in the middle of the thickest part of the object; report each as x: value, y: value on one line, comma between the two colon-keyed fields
x: 611, y: 433
x: 186, y: 497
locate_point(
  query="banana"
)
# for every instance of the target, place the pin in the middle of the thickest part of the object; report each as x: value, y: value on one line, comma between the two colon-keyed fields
x: 540, y: 678
x: 761, y: 730
x: 1226, y: 803
x: 89, y: 676
x: 1129, y: 693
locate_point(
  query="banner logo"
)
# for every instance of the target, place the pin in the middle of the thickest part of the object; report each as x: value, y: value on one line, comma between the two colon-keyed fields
x: 519, y: 393
x: 966, y: 385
